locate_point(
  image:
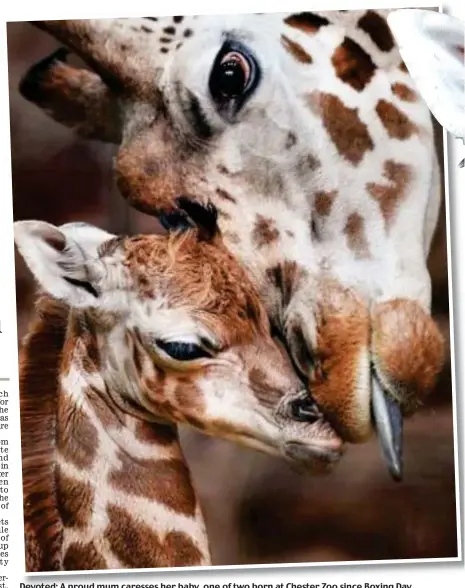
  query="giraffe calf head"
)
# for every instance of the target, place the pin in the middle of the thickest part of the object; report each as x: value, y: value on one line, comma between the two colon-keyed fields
x: 178, y: 333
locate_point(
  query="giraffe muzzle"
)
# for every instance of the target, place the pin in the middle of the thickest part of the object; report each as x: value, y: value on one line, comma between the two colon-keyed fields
x: 309, y: 441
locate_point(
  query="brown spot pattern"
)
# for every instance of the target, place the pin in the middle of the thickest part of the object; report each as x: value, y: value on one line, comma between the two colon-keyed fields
x: 77, y: 436
x: 134, y: 543
x: 376, y: 27
x: 356, y: 237
x: 353, y: 65
x: 179, y: 550
x: 155, y: 434
x: 403, y: 92
x: 349, y: 134
x: 75, y: 500
x: 83, y: 556
x: 264, y: 232
x: 166, y: 481
x: 324, y: 202
x: 389, y: 196
x: 396, y: 123
x: 286, y: 277
x: 296, y: 50
x: 137, y: 546
x: 308, y: 22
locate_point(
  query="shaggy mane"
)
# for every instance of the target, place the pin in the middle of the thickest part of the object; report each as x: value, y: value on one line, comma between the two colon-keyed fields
x: 39, y: 364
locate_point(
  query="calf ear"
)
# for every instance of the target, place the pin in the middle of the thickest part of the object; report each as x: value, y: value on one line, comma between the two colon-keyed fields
x: 432, y: 47
x: 59, y: 257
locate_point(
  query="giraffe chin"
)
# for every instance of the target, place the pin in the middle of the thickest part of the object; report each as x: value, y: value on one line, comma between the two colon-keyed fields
x: 314, y: 448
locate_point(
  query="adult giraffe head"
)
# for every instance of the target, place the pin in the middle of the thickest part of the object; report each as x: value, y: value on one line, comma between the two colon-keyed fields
x: 306, y: 132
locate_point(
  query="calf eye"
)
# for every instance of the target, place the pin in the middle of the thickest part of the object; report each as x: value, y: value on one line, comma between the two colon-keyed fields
x: 182, y: 351
x: 234, y: 76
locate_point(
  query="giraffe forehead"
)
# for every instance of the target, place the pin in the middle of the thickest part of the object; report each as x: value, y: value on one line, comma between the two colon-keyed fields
x: 201, y: 280
x: 183, y: 261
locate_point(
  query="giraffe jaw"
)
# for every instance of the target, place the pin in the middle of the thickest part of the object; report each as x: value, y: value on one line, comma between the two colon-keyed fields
x: 316, y: 456
x: 387, y: 418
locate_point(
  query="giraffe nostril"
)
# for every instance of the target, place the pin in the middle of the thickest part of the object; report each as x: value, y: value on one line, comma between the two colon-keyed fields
x: 304, y: 409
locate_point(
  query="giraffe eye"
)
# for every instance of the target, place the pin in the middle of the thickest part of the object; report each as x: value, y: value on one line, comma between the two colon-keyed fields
x: 182, y: 351
x: 234, y: 76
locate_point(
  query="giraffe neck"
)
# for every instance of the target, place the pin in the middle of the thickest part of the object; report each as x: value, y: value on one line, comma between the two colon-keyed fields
x: 123, y: 490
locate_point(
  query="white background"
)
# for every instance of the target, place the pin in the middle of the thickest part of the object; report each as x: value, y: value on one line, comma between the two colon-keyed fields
x: 415, y: 574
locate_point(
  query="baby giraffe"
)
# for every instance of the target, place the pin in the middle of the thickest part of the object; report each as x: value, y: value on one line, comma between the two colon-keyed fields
x: 133, y: 336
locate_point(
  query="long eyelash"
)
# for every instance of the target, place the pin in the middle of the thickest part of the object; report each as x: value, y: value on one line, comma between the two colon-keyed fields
x: 81, y: 284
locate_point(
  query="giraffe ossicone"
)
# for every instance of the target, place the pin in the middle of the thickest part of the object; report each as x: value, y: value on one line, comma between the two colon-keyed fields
x: 144, y: 333
x: 308, y: 134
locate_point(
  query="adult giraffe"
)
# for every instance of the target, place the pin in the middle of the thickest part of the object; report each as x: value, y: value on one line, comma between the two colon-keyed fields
x: 307, y: 133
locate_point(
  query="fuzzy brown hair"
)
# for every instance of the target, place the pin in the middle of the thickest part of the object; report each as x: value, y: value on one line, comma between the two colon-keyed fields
x: 202, y: 274
x: 39, y: 364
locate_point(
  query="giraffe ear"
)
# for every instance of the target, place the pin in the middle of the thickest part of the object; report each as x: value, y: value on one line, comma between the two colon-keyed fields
x: 58, y: 258
x: 432, y: 47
